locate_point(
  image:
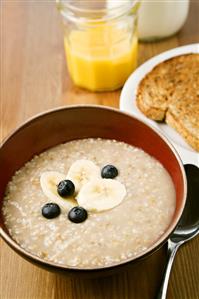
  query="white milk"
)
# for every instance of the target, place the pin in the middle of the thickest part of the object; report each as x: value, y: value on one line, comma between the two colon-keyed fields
x: 161, y: 18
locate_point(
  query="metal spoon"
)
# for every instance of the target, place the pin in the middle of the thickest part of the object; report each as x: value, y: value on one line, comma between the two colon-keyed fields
x: 188, y: 226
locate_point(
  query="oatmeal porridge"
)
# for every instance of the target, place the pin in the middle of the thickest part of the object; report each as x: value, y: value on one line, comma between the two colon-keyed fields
x: 89, y: 202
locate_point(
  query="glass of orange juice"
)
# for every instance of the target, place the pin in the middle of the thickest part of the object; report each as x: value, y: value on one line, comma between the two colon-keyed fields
x: 100, y: 40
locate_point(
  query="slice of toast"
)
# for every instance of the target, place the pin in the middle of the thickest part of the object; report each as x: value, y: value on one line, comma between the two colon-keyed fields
x: 170, y: 92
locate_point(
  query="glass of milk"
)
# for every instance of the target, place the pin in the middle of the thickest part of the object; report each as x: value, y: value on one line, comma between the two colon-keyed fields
x: 161, y: 18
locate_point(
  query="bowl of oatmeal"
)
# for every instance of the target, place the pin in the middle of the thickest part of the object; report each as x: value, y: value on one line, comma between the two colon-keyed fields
x: 88, y: 189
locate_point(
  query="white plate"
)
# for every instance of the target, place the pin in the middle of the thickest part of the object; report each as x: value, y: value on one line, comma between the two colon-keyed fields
x: 128, y: 96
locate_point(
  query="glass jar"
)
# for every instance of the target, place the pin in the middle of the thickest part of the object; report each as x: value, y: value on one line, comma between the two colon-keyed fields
x: 100, y: 39
x: 161, y: 19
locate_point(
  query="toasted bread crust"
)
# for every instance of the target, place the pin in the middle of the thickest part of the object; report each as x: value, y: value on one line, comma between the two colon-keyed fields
x: 151, y: 112
x: 170, y: 92
x: 178, y: 126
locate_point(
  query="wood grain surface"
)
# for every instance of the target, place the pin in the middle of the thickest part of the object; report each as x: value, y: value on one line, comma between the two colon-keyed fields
x: 34, y: 78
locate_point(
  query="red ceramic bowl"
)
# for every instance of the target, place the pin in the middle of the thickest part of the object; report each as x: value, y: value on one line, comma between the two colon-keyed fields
x: 74, y: 122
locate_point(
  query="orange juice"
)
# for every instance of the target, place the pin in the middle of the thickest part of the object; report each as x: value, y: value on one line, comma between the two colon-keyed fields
x: 101, y: 58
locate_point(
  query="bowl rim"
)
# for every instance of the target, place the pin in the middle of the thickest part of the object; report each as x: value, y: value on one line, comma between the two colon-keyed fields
x: 155, y: 246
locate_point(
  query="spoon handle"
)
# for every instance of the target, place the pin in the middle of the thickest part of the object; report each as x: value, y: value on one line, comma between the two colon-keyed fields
x: 172, y: 249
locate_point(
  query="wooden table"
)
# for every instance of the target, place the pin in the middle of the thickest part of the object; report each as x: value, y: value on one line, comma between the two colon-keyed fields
x: 34, y: 78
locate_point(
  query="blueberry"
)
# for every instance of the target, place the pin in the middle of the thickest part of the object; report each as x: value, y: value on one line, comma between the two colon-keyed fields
x: 50, y: 210
x: 66, y: 188
x: 77, y: 214
x: 109, y: 172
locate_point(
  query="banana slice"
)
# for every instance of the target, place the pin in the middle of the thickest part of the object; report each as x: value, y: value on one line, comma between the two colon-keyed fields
x: 49, y: 181
x: 101, y: 194
x: 82, y: 171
